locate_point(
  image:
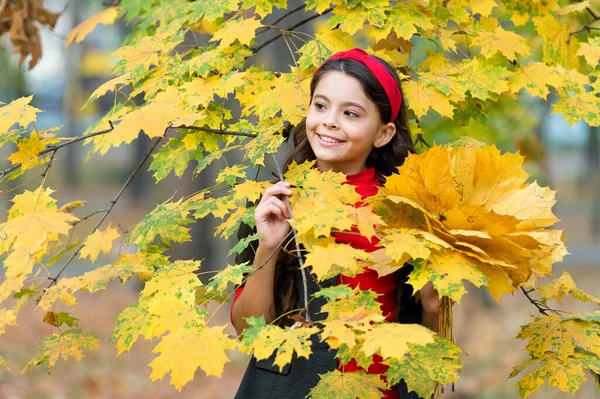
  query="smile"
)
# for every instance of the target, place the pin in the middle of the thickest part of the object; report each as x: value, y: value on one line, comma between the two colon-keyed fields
x: 328, y: 140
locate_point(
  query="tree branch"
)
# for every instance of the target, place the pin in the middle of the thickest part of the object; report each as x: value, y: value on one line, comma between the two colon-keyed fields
x: 257, y: 49
x: 112, y: 204
x: 55, y: 147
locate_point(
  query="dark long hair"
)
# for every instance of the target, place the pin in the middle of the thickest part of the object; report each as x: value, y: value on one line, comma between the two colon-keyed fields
x: 385, y: 159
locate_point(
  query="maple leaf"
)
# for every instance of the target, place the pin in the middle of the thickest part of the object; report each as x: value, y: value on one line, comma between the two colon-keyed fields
x: 142, y: 264
x: 348, y: 385
x: 238, y: 29
x: 29, y: 202
x: 400, y: 336
x: 578, y: 107
x: 330, y: 260
x: 350, y: 305
x: 166, y: 221
x: 132, y: 322
x: 322, y: 194
x: 185, y: 350
x: 561, y: 335
x: 70, y: 343
x: 422, y: 365
x: 481, y: 78
x: 535, y: 77
x: 563, y: 286
x: 79, y: 33
x: 424, y: 98
x: 264, y: 7
x: 99, y: 241
x: 567, y: 376
x: 590, y: 51
x: 231, y: 274
x: 8, y: 317
x: 17, y: 112
x: 495, y: 39
x: 265, y: 340
x: 111, y: 85
x: 60, y: 318
x: 29, y: 151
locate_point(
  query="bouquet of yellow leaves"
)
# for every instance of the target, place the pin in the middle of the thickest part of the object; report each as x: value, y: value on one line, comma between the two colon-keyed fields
x: 467, y: 213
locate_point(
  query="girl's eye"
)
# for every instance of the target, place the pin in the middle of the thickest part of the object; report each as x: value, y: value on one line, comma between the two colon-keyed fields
x: 320, y: 106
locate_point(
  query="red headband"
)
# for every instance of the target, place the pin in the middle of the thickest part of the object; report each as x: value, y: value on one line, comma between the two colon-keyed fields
x: 383, y: 76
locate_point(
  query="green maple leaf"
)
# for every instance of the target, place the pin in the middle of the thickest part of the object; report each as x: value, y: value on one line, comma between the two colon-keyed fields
x: 424, y: 365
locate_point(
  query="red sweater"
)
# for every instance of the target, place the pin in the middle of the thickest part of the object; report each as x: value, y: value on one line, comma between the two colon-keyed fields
x: 366, y: 185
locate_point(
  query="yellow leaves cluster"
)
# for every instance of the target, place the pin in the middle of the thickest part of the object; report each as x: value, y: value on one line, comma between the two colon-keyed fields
x: 472, y: 216
x: 167, y: 304
x: 562, y: 349
x: 34, y: 224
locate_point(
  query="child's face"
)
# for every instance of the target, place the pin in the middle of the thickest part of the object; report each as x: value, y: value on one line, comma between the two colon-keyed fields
x: 341, y: 110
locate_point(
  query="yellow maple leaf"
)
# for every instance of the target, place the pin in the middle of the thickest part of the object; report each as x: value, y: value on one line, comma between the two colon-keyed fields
x: 28, y: 153
x: 18, y: 111
x: 8, y: 317
x: 495, y: 39
x: 348, y: 385
x: 79, y: 33
x: 563, y: 286
x: 400, y: 336
x: 561, y: 335
x: 423, y: 98
x: 447, y: 270
x: 535, y: 77
x: 185, y: 350
x: 333, y: 259
x: 239, y: 29
x: 99, y: 241
x: 105, y: 87
x: 591, y: 51
x: 70, y: 343
x: 30, y: 201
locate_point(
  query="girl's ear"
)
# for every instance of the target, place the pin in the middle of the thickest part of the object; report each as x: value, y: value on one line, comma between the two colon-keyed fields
x: 385, y: 135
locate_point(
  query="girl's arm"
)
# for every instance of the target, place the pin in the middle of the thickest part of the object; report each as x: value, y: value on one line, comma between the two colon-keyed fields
x: 431, y: 307
x: 257, y: 297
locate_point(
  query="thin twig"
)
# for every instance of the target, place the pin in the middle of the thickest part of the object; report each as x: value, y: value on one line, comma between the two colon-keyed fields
x: 302, y: 270
x: 217, y: 131
x: 586, y: 27
x: 257, y: 49
x: 534, y: 302
x: 112, y: 204
x: 264, y: 29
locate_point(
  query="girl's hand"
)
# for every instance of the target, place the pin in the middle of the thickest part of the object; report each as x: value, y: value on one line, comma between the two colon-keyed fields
x: 270, y: 215
x: 430, y: 299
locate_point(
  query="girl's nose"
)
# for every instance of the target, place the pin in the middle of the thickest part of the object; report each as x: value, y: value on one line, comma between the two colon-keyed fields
x: 330, y: 122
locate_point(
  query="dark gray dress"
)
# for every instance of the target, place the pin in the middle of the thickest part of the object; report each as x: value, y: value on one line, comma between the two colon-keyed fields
x: 263, y: 380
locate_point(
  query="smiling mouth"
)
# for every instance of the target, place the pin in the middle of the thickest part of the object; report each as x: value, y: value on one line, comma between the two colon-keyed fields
x: 328, y: 139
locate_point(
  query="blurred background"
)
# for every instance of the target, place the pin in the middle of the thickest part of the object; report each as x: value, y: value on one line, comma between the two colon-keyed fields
x: 566, y: 158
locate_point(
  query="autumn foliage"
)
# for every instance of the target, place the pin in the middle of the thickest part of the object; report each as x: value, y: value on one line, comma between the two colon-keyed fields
x: 456, y: 212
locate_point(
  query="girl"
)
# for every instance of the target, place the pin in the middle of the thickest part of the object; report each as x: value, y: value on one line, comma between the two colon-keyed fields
x: 357, y: 125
